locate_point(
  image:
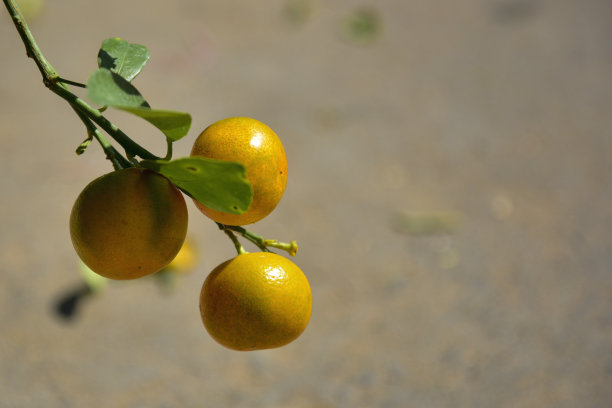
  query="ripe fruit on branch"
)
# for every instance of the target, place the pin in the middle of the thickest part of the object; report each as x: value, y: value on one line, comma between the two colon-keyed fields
x: 133, y: 222
x: 256, y: 301
x: 258, y: 148
x: 128, y: 224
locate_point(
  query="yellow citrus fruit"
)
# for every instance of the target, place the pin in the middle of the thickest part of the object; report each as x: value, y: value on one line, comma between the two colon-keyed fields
x: 256, y: 301
x: 128, y: 223
x: 256, y: 146
x: 186, y: 259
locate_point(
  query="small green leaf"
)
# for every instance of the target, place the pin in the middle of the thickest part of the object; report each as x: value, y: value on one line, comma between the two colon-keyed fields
x: 109, y: 89
x: 83, y: 146
x: 122, y: 57
x: 173, y: 124
x: 220, y: 185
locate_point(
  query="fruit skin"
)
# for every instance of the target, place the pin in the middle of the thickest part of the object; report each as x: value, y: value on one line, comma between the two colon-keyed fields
x: 128, y: 223
x: 255, y: 301
x: 258, y: 148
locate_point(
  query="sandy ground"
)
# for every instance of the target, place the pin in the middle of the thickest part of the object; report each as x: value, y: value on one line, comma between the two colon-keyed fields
x: 449, y: 185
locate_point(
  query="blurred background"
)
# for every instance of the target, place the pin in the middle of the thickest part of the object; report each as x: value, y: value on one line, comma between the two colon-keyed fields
x: 449, y: 186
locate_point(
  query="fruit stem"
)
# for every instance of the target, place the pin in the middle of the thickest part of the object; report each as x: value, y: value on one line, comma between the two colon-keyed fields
x: 290, y: 247
x: 254, y: 238
x: 261, y: 242
x: 239, y: 248
x: 56, y: 84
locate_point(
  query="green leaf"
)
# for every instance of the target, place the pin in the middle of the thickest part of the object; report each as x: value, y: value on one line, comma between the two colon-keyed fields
x: 173, y: 124
x: 220, y: 185
x: 107, y: 88
x: 110, y: 89
x: 123, y: 58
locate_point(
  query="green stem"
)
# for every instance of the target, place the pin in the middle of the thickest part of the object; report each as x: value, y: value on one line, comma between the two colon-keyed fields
x: 69, y: 82
x: 53, y: 81
x: 261, y: 242
x: 239, y: 248
x: 119, y: 162
x: 132, y: 148
x: 254, y: 238
x: 47, y: 71
x: 290, y: 247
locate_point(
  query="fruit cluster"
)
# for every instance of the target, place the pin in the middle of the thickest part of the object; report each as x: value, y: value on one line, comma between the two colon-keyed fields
x: 132, y: 222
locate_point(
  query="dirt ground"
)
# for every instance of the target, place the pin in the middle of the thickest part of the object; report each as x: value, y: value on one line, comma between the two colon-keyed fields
x: 449, y: 186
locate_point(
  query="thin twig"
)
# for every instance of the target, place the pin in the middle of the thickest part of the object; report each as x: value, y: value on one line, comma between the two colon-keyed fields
x: 117, y: 134
x: 239, y: 248
x: 69, y: 82
x: 47, y: 71
x: 119, y: 162
x: 57, y: 85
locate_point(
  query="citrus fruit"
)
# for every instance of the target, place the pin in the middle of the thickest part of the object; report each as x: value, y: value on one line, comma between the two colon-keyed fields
x: 128, y: 223
x: 256, y: 146
x: 255, y: 301
x: 186, y: 258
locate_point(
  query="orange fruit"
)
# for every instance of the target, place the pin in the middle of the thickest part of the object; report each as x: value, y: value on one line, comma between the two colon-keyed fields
x: 128, y: 223
x: 186, y: 258
x: 255, y: 301
x: 256, y: 146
